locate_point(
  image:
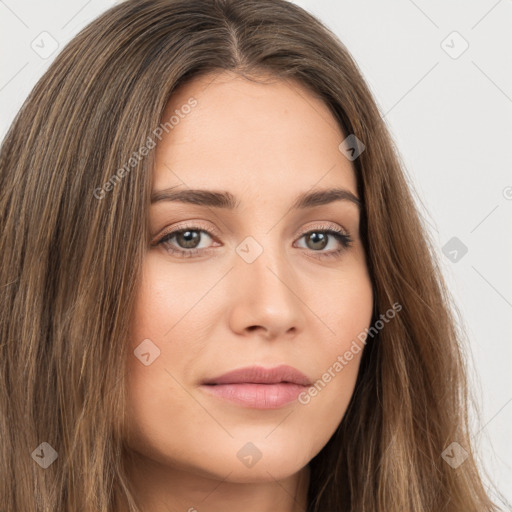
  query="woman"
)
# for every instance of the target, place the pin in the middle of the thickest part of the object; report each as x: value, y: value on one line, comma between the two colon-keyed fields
x: 216, y: 289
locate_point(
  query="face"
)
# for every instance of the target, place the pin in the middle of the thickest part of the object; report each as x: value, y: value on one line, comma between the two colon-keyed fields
x: 262, y: 282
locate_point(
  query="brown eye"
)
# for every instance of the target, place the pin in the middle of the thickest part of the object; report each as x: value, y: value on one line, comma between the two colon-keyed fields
x: 184, y: 242
x: 317, y: 240
x: 188, y: 239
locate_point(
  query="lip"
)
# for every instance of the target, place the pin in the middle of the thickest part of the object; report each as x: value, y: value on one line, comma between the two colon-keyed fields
x: 258, y: 387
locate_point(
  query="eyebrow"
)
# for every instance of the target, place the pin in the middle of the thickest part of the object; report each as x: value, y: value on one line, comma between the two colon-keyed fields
x: 228, y: 201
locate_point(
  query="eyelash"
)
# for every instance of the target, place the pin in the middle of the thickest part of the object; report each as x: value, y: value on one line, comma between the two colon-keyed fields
x: 343, y: 238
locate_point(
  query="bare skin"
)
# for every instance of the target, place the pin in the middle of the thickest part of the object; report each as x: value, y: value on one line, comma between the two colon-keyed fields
x: 212, y: 310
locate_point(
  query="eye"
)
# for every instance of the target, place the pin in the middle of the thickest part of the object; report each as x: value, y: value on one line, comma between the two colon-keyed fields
x: 186, y: 241
x: 318, y: 239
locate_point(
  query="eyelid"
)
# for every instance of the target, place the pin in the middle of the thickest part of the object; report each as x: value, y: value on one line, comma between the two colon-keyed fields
x: 192, y: 224
x: 323, y: 226
x: 342, y: 236
x: 189, y: 224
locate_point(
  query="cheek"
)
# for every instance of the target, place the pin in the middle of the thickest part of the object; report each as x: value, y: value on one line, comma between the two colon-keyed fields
x: 347, y: 307
x: 159, y: 316
x: 165, y: 298
x: 157, y: 394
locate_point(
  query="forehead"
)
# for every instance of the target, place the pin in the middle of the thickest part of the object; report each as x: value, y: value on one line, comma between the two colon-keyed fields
x: 274, y: 136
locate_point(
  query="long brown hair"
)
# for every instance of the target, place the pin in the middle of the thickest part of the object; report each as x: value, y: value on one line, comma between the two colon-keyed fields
x: 71, y: 258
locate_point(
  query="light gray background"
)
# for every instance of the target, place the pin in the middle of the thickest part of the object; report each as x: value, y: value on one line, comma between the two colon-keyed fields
x: 451, y: 117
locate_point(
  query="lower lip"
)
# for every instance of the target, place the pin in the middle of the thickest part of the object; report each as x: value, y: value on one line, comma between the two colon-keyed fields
x: 257, y: 396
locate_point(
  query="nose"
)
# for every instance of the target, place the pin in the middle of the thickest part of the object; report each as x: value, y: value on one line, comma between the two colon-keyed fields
x: 265, y: 294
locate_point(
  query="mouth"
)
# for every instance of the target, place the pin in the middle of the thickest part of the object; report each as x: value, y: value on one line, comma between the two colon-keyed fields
x: 257, y: 387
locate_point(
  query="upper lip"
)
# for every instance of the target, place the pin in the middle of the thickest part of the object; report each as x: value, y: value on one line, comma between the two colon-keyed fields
x: 261, y: 375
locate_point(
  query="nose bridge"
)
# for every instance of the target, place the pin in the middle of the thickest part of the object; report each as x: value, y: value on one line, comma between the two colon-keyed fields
x: 262, y: 259
x: 264, y: 279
